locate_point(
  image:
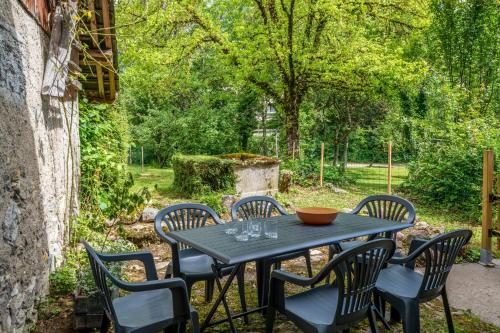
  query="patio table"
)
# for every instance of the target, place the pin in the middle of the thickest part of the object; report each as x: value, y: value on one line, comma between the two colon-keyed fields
x: 293, y: 235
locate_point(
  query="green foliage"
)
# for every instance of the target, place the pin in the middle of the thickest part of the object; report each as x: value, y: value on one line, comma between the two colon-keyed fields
x: 307, y: 172
x: 104, y: 183
x: 214, y: 201
x: 189, y: 59
x: 199, y: 174
x: 62, y: 281
x: 447, y: 171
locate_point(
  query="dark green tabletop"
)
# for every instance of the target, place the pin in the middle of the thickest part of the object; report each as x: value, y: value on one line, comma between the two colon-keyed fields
x: 293, y: 235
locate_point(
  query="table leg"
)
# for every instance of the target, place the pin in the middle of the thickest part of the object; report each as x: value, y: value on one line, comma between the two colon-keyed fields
x: 222, y: 296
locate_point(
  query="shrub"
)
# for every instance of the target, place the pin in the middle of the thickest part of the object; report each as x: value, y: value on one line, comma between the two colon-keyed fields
x: 62, y: 281
x: 200, y: 174
x: 447, y: 171
x: 306, y: 173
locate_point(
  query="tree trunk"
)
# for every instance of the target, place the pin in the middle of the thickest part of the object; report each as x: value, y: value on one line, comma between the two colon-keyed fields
x: 336, y: 144
x: 292, y: 127
x: 346, y: 149
x: 264, y: 131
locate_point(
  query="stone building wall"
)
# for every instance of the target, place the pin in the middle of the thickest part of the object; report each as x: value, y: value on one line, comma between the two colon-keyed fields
x: 39, y: 153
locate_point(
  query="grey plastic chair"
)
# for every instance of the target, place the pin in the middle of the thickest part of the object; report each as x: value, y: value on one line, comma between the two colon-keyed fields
x: 405, y: 289
x: 187, y: 263
x: 151, y: 306
x: 336, y: 306
x: 388, y: 207
x: 261, y: 207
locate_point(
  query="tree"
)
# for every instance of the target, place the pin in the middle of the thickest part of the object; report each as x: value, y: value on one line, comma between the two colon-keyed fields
x: 283, y: 48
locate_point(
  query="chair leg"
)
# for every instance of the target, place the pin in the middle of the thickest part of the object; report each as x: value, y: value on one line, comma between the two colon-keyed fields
x: 308, y: 264
x: 395, y: 315
x: 241, y: 290
x: 266, y: 276
x: 447, y: 311
x: 195, y: 322
x: 271, y: 315
x: 209, y: 290
x: 189, y: 286
x: 258, y: 272
x: 331, y: 253
x: 379, y: 315
x: 371, y: 319
x: 105, y: 324
x: 411, y: 317
x: 182, y: 327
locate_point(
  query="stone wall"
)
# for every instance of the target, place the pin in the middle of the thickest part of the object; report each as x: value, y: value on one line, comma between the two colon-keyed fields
x: 38, y: 169
x: 257, y: 179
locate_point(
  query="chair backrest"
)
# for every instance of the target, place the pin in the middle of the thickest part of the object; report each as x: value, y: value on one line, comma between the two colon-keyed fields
x: 256, y: 207
x: 440, y: 254
x: 356, y: 272
x: 389, y: 207
x: 101, y: 276
x: 185, y: 216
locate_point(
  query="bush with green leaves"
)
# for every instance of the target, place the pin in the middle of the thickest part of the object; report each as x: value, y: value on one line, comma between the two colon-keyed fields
x: 447, y: 171
x: 105, y: 196
x: 306, y: 173
x: 201, y: 174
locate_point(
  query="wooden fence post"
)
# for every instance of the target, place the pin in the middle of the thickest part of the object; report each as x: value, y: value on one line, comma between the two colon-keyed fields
x: 321, y: 164
x: 389, y: 167
x: 142, y: 158
x: 498, y: 211
x: 487, y: 216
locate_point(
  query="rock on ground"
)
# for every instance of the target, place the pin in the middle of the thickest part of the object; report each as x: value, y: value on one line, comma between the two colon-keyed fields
x: 149, y: 214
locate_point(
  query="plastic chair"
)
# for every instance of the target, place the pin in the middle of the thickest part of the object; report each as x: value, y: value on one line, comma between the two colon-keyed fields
x: 151, y: 306
x: 187, y: 263
x: 388, y: 207
x: 405, y: 289
x: 261, y: 207
x: 336, y: 306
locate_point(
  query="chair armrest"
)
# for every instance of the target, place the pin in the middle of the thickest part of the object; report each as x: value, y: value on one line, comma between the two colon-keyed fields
x: 174, y: 247
x: 145, y: 257
x: 417, y: 246
x: 173, y: 283
x: 291, y: 278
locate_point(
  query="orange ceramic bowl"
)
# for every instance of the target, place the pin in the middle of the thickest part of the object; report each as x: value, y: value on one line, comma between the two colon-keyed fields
x: 316, y: 215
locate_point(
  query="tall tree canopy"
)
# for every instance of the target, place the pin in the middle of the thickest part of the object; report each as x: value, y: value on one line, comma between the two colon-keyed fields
x: 281, y: 48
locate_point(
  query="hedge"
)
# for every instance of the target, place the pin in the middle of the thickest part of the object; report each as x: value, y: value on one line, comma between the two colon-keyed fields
x: 199, y: 174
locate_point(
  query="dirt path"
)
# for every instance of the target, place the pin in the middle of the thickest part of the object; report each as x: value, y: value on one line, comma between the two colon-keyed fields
x: 476, y: 288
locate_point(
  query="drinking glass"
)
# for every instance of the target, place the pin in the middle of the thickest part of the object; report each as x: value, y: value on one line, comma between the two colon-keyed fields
x: 231, y: 228
x: 255, y: 229
x: 242, y: 234
x: 271, y: 229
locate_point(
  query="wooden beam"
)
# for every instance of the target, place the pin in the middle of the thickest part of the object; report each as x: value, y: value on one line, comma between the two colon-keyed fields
x: 105, y: 21
x: 93, y: 23
x: 112, y: 87
x: 321, y: 163
x: 389, y: 168
x: 100, y: 81
x: 101, y: 54
x: 105, y: 64
x: 498, y: 212
x: 487, y: 216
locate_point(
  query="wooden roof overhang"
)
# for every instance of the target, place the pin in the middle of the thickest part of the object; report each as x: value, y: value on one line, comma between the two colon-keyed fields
x: 98, y: 56
x: 96, y: 53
